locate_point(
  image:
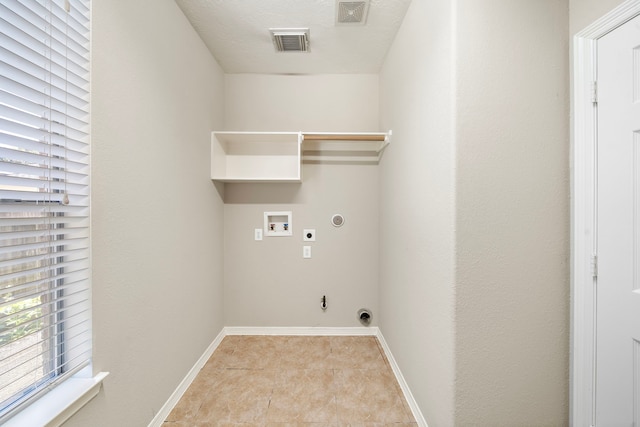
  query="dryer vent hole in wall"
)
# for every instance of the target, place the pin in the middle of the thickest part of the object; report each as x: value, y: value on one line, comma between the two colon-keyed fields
x: 337, y: 220
x: 364, y: 316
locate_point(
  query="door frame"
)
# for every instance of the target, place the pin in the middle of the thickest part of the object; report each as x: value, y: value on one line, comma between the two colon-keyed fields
x: 583, y: 211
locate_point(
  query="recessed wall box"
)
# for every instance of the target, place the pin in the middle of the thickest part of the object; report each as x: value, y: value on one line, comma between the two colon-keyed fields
x: 278, y: 224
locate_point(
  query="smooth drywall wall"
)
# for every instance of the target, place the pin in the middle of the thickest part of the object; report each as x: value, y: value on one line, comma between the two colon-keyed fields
x: 585, y: 12
x: 157, y: 234
x: 268, y: 283
x: 417, y: 207
x: 512, y: 213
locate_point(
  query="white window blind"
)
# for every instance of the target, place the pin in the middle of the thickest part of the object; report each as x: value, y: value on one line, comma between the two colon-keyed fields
x: 45, y: 325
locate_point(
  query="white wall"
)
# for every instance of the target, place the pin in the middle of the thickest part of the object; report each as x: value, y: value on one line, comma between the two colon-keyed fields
x: 157, y: 234
x: 324, y: 102
x: 268, y: 283
x: 474, y: 269
x: 417, y: 207
x: 585, y: 12
x: 512, y: 213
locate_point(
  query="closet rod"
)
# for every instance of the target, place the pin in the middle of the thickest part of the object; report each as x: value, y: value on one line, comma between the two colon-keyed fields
x: 343, y: 137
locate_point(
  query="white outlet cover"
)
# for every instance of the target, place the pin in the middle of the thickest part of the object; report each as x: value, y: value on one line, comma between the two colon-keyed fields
x: 257, y: 234
x: 306, y: 252
x: 309, y: 231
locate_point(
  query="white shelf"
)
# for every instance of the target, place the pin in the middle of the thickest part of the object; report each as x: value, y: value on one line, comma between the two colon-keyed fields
x: 278, y: 156
x: 256, y: 156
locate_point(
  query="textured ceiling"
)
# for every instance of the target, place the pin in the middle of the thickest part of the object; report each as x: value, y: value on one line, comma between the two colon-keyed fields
x: 237, y: 34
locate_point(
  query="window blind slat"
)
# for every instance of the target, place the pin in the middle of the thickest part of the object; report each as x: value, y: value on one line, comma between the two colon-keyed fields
x: 49, y: 198
x: 47, y: 304
x: 17, y: 239
x: 10, y: 86
x: 60, y: 22
x: 13, y: 103
x: 30, y: 352
x: 27, y: 253
x: 16, y: 27
x: 41, y: 273
x: 49, y: 156
x: 41, y: 73
x: 36, y: 315
x: 24, y: 118
x: 39, y: 57
x: 44, y: 289
x: 75, y: 150
x: 10, y: 225
x: 44, y: 81
x: 38, y: 258
x: 72, y: 279
x: 22, y: 269
x: 41, y: 236
x: 75, y: 18
x: 24, y: 207
x: 34, y: 19
x: 13, y: 264
x: 40, y: 153
x: 39, y: 172
x: 44, y: 184
x: 47, y: 260
x: 43, y: 310
x: 37, y: 109
x: 80, y: 354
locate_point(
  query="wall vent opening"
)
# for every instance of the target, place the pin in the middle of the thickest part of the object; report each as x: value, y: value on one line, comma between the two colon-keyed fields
x: 351, y: 12
x: 290, y: 39
x: 337, y: 220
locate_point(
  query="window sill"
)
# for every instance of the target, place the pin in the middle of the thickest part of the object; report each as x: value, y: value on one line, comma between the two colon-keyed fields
x: 57, y: 406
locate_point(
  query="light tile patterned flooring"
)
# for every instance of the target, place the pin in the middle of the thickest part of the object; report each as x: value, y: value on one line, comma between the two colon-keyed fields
x: 287, y: 381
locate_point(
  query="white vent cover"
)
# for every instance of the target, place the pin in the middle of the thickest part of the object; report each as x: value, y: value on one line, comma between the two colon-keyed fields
x: 351, y: 12
x: 290, y: 39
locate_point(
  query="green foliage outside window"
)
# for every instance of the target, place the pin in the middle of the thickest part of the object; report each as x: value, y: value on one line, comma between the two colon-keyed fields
x: 20, y: 319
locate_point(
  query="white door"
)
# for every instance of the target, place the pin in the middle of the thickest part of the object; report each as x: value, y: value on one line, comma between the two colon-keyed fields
x: 618, y: 224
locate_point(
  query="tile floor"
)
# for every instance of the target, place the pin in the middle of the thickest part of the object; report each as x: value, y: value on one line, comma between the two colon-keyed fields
x: 286, y: 381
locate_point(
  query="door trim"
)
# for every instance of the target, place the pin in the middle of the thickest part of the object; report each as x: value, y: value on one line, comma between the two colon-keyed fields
x: 583, y: 211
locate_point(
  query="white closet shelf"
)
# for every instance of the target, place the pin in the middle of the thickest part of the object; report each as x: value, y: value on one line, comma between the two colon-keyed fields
x: 278, y: 156
x: 256, y: 156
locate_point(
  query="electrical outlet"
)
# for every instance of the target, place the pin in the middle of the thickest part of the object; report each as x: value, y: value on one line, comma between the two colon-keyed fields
x: 257, y: 234
x: 309, y: 235
x: 306, y: 252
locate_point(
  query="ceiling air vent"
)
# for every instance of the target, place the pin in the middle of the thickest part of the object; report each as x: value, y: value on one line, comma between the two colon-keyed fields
x: 290, y: 39
x: 351, y: 12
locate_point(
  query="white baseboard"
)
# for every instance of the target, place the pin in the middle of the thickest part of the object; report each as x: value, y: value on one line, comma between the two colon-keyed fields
x: 317, y: 331
x: 304, y: 330
x: 166, y: 409
x: 413, y: 405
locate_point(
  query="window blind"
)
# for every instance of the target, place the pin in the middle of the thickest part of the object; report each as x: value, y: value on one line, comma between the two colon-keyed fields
x: 45, y: 325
